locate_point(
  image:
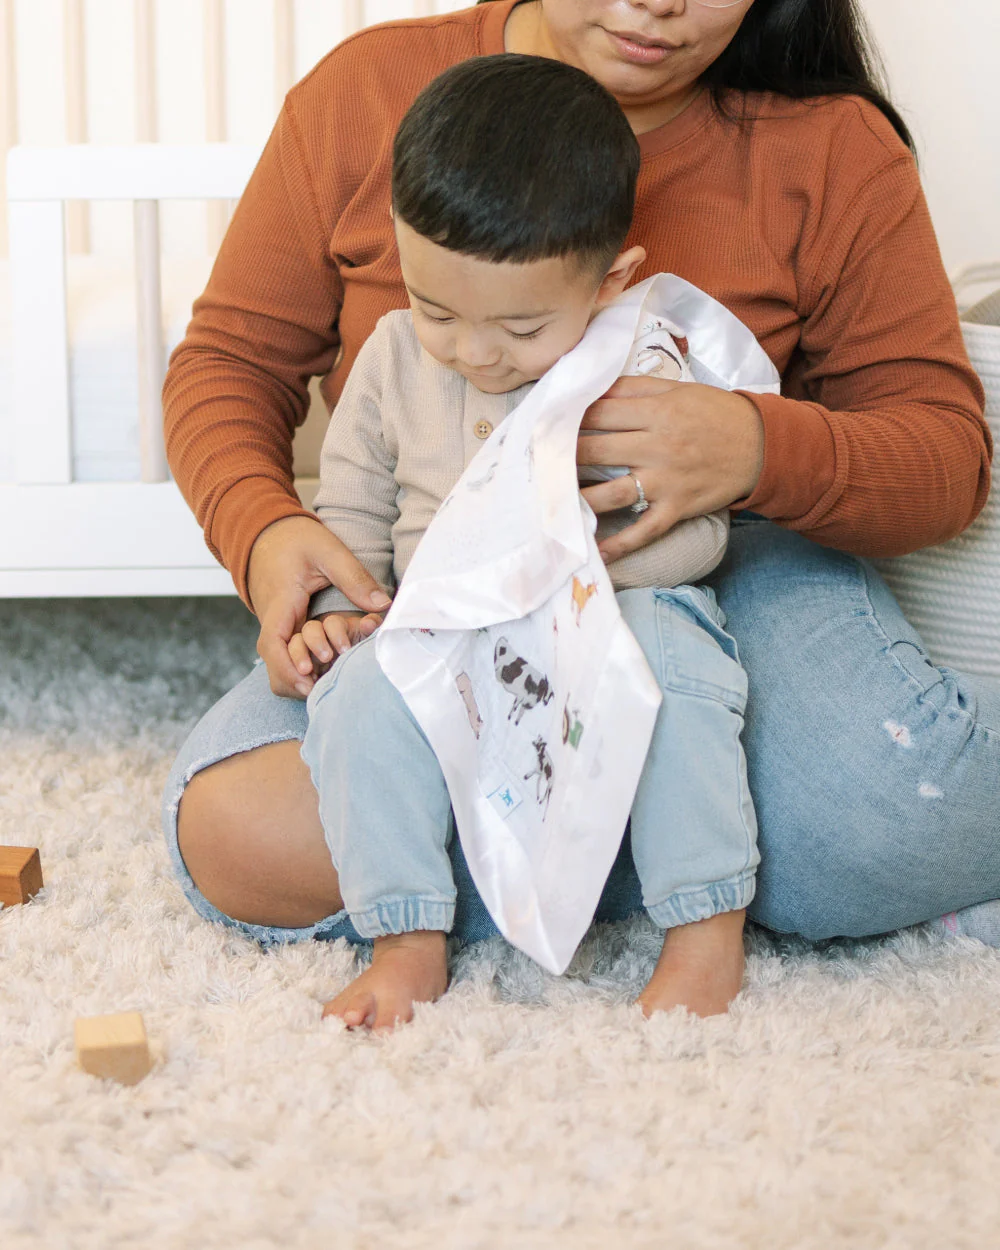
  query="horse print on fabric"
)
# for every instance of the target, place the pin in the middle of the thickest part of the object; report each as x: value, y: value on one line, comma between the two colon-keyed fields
x: 581, y: 596
x: 528, y: 686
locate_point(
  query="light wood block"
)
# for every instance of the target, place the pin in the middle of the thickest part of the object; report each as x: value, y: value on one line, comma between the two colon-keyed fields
x: 20, y: 874
x: 113, y: 1047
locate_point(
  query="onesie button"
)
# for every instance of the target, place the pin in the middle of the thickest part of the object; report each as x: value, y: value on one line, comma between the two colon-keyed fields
x: 482, y: 429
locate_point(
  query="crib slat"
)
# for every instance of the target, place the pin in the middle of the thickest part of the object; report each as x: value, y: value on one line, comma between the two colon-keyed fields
x: 146, y: 122
x: 74, y: 42
x: 215, y: 105
x: 284, y: 49
x: 40, y: 342
x: 149, y: 319
x: 354, y: 15
x: 8, y: 105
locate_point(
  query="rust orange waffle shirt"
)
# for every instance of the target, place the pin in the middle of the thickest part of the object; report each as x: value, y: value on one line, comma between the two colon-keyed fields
x: 809, y: 223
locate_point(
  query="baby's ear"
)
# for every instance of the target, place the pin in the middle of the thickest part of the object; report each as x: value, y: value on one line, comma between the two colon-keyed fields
x: 619, y: 275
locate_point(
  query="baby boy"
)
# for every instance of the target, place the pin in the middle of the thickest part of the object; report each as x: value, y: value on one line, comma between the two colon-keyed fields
x: 512, y: 195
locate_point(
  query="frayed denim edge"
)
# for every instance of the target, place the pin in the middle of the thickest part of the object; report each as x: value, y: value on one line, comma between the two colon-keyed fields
x: 336, y: 926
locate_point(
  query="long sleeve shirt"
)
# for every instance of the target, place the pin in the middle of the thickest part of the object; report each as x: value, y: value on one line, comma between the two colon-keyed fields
x: 807, y: 221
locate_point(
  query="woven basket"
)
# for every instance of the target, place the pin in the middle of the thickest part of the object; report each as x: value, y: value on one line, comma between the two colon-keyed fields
x: 951, y: 593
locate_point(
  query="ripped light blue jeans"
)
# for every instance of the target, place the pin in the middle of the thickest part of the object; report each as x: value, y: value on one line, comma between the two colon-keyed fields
x: 863, y: 828
x: 384, y: 805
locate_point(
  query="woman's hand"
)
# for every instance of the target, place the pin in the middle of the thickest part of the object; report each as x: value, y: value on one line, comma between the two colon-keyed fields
x: 694, y: 448
x: 289, y: 562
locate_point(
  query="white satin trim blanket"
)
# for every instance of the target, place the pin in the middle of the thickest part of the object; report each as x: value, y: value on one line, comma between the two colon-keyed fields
x: 506, y: 642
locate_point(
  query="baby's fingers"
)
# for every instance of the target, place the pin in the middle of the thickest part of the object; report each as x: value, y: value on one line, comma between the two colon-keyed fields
x: 361, y: 627
x: 338, y: 631
x: 316, y: 640
x: 298, y: 653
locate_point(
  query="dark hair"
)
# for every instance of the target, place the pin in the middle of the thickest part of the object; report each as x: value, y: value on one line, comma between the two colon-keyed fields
x: 801, y: 49
x: 517, y: 158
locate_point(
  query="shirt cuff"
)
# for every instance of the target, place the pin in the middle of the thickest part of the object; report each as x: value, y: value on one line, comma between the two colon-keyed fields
x: 247, y: 508
x: 331, y: 599
x: 800, y: 459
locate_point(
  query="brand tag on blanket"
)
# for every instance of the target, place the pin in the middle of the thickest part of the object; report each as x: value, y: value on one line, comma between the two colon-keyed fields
x: 506, y: 642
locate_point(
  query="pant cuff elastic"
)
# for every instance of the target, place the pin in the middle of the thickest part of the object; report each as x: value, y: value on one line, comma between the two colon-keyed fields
x: 703, y: 902
x: 404, y: 915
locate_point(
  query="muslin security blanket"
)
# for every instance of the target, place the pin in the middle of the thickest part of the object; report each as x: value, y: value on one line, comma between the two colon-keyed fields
x: 507, y: 645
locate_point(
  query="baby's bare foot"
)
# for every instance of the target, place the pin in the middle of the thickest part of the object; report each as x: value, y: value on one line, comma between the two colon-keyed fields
x: 700, y: 967
x: 406, y: 968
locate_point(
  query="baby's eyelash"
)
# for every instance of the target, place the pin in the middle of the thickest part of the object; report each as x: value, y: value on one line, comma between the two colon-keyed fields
x: 444, y: 321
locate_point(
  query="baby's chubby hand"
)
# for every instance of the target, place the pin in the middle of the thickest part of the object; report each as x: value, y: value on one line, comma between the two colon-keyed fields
x: 315, y: 648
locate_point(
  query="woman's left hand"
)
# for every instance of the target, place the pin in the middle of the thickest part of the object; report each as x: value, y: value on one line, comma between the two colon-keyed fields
x: 694, y: 448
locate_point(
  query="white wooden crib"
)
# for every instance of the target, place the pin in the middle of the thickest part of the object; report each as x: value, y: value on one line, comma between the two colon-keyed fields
x: 63, y: 536
x: 87, y: 506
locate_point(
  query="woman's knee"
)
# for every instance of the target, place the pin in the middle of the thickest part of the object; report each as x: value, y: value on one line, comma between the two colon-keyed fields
x: 205, y: 833
x: 248, y: 831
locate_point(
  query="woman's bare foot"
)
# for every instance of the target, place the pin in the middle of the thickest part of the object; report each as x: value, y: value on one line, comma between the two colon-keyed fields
x: 406, y: 968
x: 700, y: 967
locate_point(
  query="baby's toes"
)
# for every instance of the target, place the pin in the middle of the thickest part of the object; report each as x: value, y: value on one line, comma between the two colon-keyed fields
x: 355, y: 1007
x: 391, y: 1010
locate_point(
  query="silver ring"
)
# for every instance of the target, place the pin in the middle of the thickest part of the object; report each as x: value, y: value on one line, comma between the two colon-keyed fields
x: 641, y: 503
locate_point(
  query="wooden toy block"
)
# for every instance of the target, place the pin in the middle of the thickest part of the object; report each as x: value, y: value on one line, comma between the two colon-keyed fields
x: 20, y: 874
x: 113, y: 1046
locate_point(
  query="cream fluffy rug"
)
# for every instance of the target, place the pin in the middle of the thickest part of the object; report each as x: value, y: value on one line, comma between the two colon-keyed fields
x: 851, y: 1099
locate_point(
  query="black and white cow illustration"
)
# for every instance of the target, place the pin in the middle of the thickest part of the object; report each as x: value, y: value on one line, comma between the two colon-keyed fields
x: 543, y: 771
x: 528, y: 686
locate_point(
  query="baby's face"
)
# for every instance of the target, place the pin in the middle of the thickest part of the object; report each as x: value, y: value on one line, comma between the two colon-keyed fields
x: 498, y: 325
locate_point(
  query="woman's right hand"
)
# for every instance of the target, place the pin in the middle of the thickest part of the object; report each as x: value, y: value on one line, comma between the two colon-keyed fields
x: 289, y: 562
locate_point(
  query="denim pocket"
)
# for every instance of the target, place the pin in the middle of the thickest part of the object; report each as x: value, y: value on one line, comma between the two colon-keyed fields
x: 699, y: 657
x: 916, y: 665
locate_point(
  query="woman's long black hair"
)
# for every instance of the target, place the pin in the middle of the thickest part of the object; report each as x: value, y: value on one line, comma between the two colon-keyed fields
x: 803, y: 48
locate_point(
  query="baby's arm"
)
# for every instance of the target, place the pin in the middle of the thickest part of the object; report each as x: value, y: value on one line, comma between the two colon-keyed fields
x: 358, y: 491
x: 693, y: 548
x: 687, y: 553
x: 356, y: 500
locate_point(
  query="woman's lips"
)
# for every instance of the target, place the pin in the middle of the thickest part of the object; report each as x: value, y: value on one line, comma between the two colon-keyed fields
x: 630, y: 48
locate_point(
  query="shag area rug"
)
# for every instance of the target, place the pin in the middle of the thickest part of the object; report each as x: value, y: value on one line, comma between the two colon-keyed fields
x: 850, y: 1099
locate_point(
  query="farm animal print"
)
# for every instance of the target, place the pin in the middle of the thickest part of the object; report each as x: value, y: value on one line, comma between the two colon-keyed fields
x: 581, y: 596
x: 528, y: 686
x: 543, y: 771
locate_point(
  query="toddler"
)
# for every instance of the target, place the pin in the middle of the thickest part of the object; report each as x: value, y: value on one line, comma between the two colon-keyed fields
x: 512, y: 195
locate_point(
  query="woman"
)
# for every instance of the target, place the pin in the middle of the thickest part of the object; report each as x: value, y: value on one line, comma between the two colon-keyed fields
x: 776, y: 177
